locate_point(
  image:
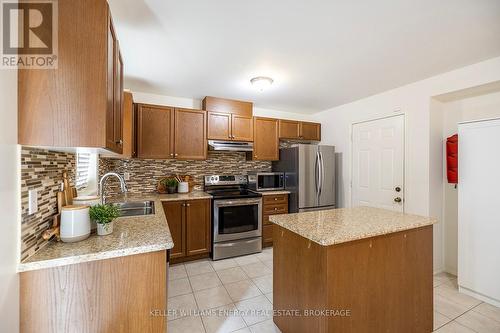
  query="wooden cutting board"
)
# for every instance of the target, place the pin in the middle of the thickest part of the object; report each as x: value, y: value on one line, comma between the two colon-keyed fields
x: 68, y: 191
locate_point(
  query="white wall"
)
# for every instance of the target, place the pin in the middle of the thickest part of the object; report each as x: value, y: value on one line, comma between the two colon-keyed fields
x: 414, y: 100
x: 182, y: 102
x: 458, y: 110
x: 9, y: 203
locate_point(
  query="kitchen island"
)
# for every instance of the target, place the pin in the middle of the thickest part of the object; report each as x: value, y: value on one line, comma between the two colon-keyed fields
x: 353, y: 270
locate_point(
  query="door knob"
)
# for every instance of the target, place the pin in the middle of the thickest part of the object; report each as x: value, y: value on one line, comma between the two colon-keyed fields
x: 397, y: 199
x: 397, y: 189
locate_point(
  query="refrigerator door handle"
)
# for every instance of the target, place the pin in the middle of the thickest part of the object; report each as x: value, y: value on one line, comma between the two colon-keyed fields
x: 316, y: 174
x: 321, y: 173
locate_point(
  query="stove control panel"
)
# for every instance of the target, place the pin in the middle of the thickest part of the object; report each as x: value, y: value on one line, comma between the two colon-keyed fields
x: 226, y: 180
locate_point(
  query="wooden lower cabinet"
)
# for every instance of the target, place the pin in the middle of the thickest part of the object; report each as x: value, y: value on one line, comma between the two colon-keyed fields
x: 197, y: 227
x: 190, y: 226
x: 272, y: 205
x: 111, y: 295
x: 377, y: 284
x: 175, y: 214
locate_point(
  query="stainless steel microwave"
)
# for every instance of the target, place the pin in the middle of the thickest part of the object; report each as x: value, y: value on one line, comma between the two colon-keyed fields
x: 266, y: 181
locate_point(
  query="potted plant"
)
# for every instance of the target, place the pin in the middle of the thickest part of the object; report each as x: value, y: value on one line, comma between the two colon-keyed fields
x: 171, y: 184
x: 104, y: 215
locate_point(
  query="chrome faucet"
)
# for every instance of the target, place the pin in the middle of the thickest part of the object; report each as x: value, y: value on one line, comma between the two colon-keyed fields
x: 103, y: 180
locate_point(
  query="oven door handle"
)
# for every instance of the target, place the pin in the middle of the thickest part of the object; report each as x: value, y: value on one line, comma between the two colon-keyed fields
x: 238, y: 202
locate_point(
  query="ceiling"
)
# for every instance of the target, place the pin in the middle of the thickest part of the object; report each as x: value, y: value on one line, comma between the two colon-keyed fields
x: 320, y: 53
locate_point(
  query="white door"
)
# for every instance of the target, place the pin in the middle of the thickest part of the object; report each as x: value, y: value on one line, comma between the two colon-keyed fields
x: 378, y: 163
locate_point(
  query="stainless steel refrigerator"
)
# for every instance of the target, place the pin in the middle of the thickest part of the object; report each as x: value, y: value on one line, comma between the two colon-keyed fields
x: 309, y: 176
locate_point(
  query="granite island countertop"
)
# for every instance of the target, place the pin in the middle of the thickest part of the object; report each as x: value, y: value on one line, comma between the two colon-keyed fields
x: 131, y: 235
x: 335, y: 226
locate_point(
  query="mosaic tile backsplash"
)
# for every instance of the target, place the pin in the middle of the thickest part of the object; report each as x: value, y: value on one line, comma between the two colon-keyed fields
x: 41, y: 170
x: 145, y: 174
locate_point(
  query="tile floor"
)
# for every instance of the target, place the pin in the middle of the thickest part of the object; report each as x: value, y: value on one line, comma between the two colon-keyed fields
x: 203, y: 293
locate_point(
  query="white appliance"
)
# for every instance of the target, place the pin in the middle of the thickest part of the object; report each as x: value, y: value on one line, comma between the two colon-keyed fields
x: 478, y: 209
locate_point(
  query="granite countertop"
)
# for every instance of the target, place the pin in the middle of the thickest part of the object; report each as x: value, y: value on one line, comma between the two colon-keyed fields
x: 275, y: 192
x: 184, y: 196
x: 131, y: 235
x: 335, y: 226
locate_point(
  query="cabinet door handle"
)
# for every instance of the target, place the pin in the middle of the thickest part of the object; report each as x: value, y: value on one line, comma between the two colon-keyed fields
x: 187, y: 205
x: 119, y: 142
x: 176, y: 154
x: 171, y: 154
x: 275, y: 199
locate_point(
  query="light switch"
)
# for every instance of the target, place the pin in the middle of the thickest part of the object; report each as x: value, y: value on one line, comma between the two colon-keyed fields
x: 32, y: 202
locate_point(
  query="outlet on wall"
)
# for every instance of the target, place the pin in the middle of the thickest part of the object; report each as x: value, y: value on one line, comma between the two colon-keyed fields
x: 32, y: 202
x: 126, y: 176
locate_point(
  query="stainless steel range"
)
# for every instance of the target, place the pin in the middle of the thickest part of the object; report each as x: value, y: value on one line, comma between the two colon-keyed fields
x: 236, y: 216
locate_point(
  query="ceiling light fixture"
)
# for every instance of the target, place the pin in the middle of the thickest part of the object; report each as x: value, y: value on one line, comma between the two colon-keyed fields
x: 261, y: 82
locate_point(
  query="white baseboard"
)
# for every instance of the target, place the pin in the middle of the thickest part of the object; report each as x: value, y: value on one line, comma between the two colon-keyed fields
x: 479, y: 296
x: 439, y: 270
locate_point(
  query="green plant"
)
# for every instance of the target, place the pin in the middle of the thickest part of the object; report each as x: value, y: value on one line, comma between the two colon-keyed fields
x: 171, y: 182
x: 104, y: 214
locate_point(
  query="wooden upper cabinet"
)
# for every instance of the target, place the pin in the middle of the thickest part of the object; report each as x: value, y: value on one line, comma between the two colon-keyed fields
x: 289, y: 129
x: 111, y: 72
x: 241, y: 128
x: 198, y: 227
x: 224, y: 105
x: 219, y: 126
x: 310, y: 131
x: 128, y: 125
x: 175, y: 214
x: 118, y: 103
x: 74, y: 105
x: 155, y: 132
x: 266, y: 140
x: 190, y: 134
x: 299, y: 130
x: 226, y: 126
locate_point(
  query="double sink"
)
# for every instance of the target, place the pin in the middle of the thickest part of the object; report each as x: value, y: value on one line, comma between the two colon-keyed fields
x: 135, y: 208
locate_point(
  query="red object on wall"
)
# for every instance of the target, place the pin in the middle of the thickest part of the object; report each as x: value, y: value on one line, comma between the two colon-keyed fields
x: 452, y: 159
